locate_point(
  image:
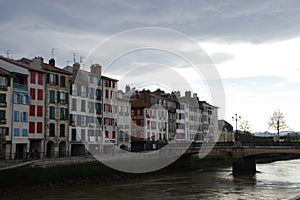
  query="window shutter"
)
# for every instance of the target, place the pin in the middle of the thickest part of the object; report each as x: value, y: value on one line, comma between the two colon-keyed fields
x: 56, y: 79
x: 58, y: 96
x: 66, y: 114
x: 67, y: 98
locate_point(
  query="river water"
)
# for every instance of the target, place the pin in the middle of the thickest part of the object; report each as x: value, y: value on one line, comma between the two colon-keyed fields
x: 277, y: 180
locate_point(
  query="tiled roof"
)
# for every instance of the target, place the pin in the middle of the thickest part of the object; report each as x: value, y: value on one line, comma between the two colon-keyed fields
x: 4, y: 72
x: 55, y: 69
x: 21, y: 64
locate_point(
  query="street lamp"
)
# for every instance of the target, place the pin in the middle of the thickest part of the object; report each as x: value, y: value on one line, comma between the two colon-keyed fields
x: 236, y: 118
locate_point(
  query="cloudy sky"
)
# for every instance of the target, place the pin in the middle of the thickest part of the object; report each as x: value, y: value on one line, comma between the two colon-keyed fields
x: 253, y: 44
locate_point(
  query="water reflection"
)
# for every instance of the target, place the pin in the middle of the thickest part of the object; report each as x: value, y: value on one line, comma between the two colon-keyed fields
x: 278, y: 180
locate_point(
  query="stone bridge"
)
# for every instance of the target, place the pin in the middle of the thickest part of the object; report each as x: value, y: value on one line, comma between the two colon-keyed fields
x: 244, y: 154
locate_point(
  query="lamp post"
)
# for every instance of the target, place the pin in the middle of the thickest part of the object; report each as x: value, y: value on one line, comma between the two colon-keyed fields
x: 236, y: 118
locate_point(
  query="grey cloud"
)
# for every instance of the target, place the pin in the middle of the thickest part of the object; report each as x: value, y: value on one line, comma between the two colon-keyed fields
x: 218, y: 58
x: 34, y: 27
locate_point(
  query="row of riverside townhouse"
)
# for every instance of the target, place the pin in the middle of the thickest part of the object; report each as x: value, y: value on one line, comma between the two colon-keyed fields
x: 47, y: 111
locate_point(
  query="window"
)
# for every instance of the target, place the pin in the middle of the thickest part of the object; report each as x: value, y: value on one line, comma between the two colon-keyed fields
x: 106, y: 94
x: 39, y: 127
x: 16, y: 132
x: 52, y: 112
x: 52, y: 96
x: 24, y: 117
x: 2, y: 115
x: 25, y: 132
x: 32, y: 77
x: 63, y: 114
x: 32, y: 111
x: 40, y: 94
x: 79, y: 89
x: 62, y: 130
x: 32, y: 93
x: 62, y: 97
x: 3, y: 82
x: 2, y: 98
x: 98, y: 81
x: 91, y: 79
x: 74, y: 104
x: 16, y: 116
x: 52, y: 79
x: 83, y: 105
x: 113, y: 134
x: 25, y: 99
x: 52, y: 130
x: 31, y: 127
x: 62, y: 81
x: 40, y: 79
x: 40, y: 111
x: 17, y: 98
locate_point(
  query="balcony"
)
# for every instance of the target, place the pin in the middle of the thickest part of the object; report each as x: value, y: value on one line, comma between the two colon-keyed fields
x: 3, y: 121
x: 20, y: 88
x: 3, y: 104
x: 3, y: 87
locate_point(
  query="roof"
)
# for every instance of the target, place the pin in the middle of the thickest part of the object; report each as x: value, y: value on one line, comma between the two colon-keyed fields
x: 55, y: 69
x: 12, y: 67
x: 4, y: 72
x: 21, y: 64
x: 108, y: 78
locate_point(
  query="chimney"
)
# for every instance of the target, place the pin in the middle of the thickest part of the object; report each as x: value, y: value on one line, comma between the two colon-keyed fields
x: 37, y: 62
x: 96, y: 69
x: 188, y: 95
x: 76, y: 68
x: 127, y: 88
x: 52, y: 62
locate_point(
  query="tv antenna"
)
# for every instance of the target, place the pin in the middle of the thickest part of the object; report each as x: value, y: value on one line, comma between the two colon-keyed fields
x: 74, y: 57
x: 52, y: 52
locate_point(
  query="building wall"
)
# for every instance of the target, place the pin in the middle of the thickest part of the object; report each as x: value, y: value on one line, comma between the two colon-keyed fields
x: 6, y: 125
x: 57, y: 138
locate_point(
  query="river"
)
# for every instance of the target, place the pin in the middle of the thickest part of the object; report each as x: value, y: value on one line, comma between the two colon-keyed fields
x: 277, y: 180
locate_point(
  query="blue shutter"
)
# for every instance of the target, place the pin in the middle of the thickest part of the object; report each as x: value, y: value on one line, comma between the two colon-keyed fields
x: 29, y: 99
x: 21, y: 99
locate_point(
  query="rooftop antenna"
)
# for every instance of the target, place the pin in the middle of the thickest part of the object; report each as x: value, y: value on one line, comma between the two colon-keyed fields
x: 68, y: 62
x: 74, y: 57
x: 7, y: 53
x: 52, y: 52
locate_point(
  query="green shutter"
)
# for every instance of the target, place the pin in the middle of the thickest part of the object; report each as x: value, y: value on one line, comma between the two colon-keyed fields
x: 52, y: 96
x: 67, y: 98
x: 58, y: 96
x: 67, y: 114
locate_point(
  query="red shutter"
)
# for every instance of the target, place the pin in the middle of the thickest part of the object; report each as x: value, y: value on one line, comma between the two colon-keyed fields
x: 32, y: 77
x: 40, y: 79
x: 32, y: 93
x: 40, y: 111
x: 32, y: 110
x: 39, y: 127
x: 40, y: 94
x: 31, y: 127
x: 106, y: 134
x: 114, y: 134
x: 106, y: 94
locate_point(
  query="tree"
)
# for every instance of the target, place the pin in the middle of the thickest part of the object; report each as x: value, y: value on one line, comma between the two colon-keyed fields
x: 244, y: 125
x: 277, y: 122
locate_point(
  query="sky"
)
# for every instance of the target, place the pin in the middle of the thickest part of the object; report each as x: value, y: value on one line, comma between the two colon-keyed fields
x: 253, y: 45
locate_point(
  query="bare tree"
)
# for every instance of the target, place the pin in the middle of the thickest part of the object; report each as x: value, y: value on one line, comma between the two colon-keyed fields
x: 277, y: 122
x: 244, y: 125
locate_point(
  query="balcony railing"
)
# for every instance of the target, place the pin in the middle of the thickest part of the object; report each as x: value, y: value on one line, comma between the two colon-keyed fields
x: 3, y: 87
x: 3, y: 121
x: 3, y: 104
x: 20, y: 87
